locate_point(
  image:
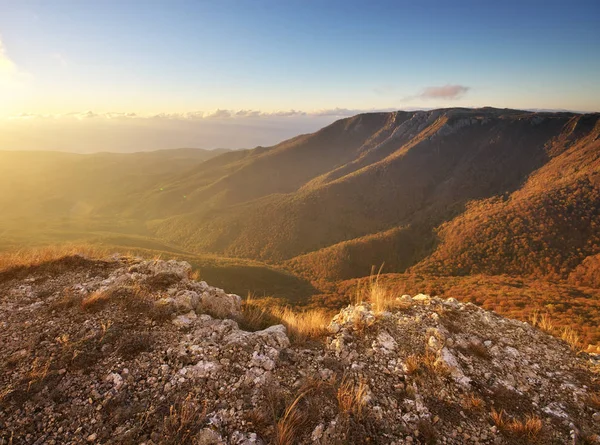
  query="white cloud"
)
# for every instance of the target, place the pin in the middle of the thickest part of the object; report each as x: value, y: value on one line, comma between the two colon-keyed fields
x: 218, y: 114
x: 444, y: 92
x: 10, y: 74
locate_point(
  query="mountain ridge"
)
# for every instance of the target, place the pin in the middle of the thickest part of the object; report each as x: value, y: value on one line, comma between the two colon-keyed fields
x: 317, y: 192
x: 360, y: 178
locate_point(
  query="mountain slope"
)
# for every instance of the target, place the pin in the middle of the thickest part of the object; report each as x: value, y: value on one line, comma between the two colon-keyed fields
x: 56, y: 184
x: 417, y: 170
x: 546, y: 228
x: 483, y: 190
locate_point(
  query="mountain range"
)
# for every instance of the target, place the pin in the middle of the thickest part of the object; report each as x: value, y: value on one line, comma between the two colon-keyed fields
x: 449, y: 191
x: 443, y: 193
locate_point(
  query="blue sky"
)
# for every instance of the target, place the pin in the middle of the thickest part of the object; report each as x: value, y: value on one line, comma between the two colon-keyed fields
x: 150, y: 57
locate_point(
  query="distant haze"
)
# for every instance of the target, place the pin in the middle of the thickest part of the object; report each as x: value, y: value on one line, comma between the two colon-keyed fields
x: 95, y: 134
x: 90, y: 132
x: 235, y: 73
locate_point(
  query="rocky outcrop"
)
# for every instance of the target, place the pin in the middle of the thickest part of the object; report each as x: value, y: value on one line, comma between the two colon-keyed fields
x: 181, y: 293
x: 134, y: 351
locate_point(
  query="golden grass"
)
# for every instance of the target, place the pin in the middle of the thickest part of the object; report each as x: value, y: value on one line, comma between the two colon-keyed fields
x: 499, y: 419
x: 301, y: 325
x: 293, y: 419
x: 183, y: 422
x: 373, y: 291
x: 529, y: 428
x: 542, y: 322
x: 472, y: 402
x: 195, y: 275
x: 351, y: 397
x: 105, y: 327
x: 96, y: 300
x: 545, y: 323
x: 255, y: 314
x: 419, y: 364
x: 570, y: 336
x: 38, y: 371
x: 412, y: 364
x: 39, y: 255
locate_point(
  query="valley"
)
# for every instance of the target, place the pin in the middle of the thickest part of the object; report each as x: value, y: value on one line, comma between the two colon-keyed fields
x: 453, y: 195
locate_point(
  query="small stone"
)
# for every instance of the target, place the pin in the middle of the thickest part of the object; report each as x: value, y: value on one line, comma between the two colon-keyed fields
x: 317, y: 432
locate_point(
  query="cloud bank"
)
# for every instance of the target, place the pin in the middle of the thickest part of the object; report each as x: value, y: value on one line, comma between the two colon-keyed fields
x: 90, y: 131
x: 218, y: 114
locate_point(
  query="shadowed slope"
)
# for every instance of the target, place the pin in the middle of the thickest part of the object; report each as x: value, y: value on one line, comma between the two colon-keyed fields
x: 441, y: 160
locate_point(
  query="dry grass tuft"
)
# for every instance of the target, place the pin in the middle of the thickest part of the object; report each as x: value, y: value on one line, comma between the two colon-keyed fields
x: 594, y: 401
x: 571, y: 337
x: 292, y: 421
x: 195, y: 275
x: 38, y: 371
x: 412, y: 364
x: 96, y: 300
x: 375, y: 293
x: 567, y: 334
x: 255, y: 315
x: 379, y: 297
x: 542, y: 322
x: 301, y: 325
x: 352, y: 397
x: 304, y: 325
x: 425, y: 364
x: 285, y: 418
x: 30, y: 257
x: 183, y: 422
x: 529, y: 428
x: 499, y: 419
x: 471, y: 402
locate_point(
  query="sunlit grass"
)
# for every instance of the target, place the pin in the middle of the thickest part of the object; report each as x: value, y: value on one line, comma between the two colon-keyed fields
x: 35, y: 256
x: 374, y: 292
x: 352, y: 397
x: 545, y: 323
x: 301, y: 325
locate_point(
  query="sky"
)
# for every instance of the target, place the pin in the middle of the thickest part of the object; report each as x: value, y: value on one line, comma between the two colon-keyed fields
x: 138, y: 75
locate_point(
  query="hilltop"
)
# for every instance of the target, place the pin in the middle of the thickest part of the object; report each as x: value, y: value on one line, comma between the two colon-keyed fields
x: 125, y: 350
